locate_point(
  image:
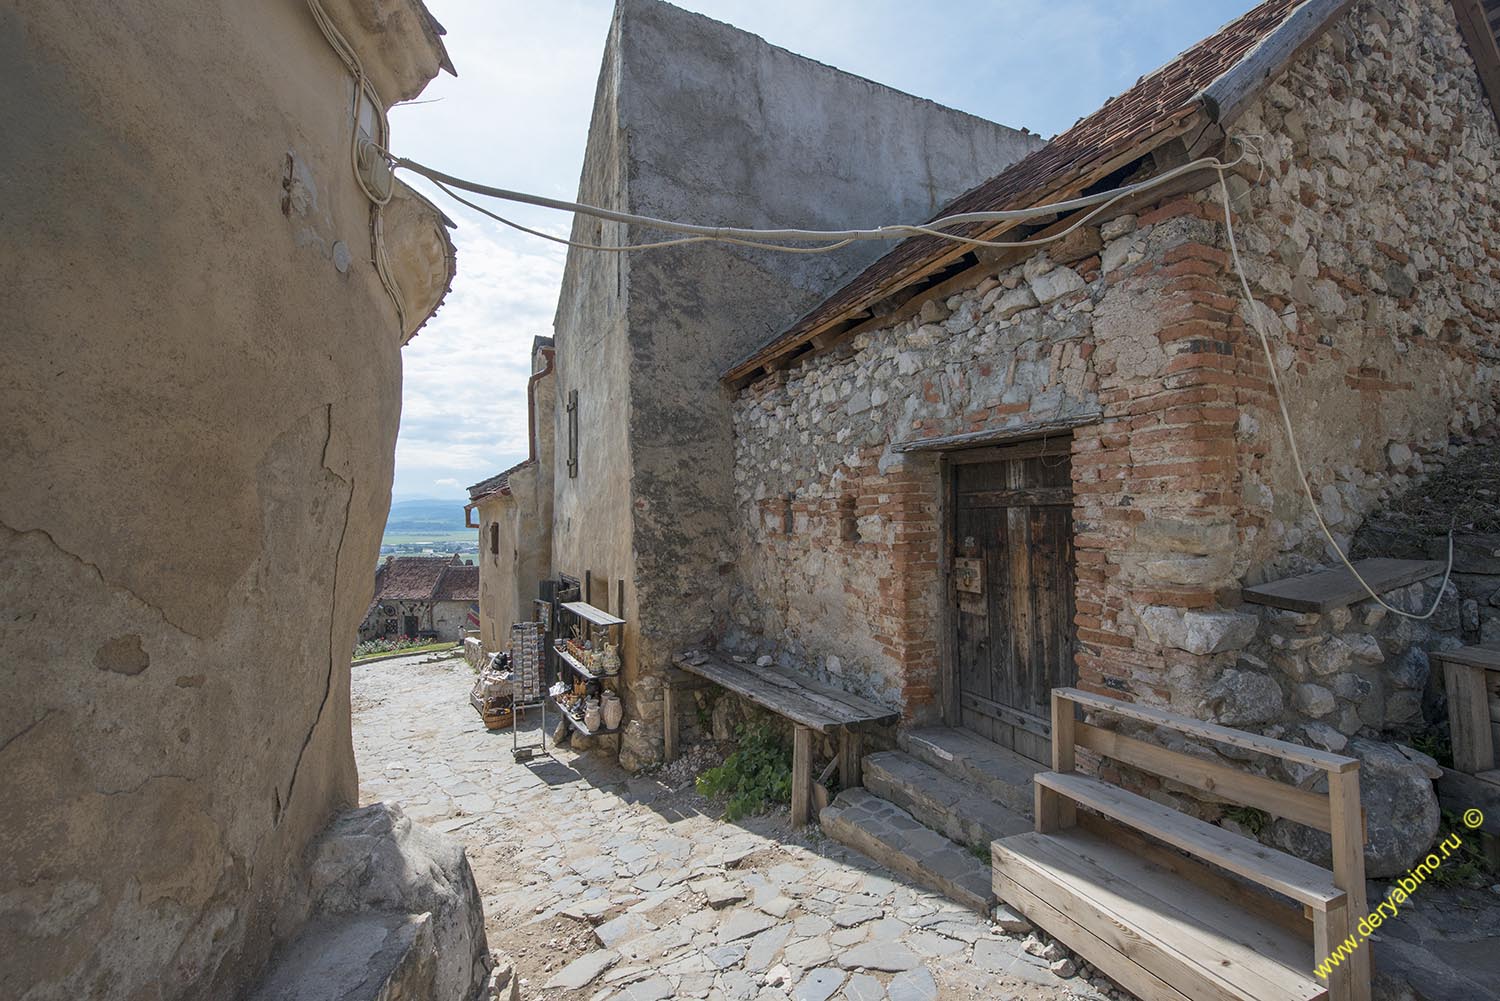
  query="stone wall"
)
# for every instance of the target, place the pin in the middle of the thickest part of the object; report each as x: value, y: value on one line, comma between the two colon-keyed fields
x: 681, y: 118
x: 1183, y: 489
x: 201, y: 396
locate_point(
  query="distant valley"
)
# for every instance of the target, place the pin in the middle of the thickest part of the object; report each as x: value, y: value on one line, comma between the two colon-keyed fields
x: 427, y: 525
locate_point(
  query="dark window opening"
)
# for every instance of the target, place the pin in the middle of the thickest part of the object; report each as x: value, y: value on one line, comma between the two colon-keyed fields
x: 495, y: 538
x: 788, y: 520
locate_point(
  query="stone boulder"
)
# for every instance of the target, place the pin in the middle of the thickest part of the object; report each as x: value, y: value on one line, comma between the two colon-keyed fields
x: 1198, y: 632
x: 1401, y: 811
x: 1241, y: 698
x: 399, y: 894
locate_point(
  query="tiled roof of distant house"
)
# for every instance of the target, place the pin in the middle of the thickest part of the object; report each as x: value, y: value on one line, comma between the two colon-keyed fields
x: 1159, y: 101
x: 497, y: 483
x: 458, y: 583
x: 426, y: 578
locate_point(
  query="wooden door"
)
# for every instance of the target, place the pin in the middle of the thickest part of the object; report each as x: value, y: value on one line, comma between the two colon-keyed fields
x: 1013, y: 588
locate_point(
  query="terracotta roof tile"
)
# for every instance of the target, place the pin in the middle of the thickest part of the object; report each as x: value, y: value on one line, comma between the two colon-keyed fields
x: 458, y: 583
x: 1158, y: 100
x: 410, y: 578
x: 496, y: 483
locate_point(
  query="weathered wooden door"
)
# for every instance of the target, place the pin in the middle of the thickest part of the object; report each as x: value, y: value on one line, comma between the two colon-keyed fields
x: 1013, y: 586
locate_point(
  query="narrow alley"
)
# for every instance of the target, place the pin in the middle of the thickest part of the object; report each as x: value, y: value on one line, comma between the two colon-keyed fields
x: 600, y: 885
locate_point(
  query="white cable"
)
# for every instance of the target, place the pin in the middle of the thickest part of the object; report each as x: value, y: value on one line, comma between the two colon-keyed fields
x: 365, y: 91
x: 1253, y: 308
x: 758, y: 237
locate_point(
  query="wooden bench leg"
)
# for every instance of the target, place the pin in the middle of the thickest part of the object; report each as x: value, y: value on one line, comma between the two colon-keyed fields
x: 1349, y: 876
x: 669, y: 722
x: 801, y: 775
x: 1330, y: 928
x: 851, y: 748
x: 1469, y: 716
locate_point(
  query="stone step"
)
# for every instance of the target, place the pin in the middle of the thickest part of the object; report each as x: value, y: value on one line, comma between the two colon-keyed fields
x: 954, y: 809
x: 977, y: 763
x: 894, y: 838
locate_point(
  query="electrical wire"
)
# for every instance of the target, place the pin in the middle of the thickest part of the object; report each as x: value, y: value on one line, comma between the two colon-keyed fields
x: 1253, y: 308
x: 831, y: 240
x: 1099, y: 201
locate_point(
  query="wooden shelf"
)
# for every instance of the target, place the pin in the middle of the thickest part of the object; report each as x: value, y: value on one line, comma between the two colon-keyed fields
x: 577, y: 724
x: 581, y: 667
x: 597, y: 616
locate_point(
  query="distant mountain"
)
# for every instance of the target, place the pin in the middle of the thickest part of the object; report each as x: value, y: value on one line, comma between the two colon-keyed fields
x: 426, y: 515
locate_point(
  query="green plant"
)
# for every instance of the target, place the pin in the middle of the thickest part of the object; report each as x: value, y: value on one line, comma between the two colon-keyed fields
x: 1249, y: 818
x: 1435, y: 746
x: 1468, y: 866
x: 757, y: 773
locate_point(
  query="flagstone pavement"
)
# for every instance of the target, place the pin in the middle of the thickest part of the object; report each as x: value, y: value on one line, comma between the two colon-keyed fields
x: 602, y: 886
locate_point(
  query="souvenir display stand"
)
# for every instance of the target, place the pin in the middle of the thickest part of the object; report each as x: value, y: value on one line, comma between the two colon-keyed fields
x: 528, y: 690
x: 586, y: 643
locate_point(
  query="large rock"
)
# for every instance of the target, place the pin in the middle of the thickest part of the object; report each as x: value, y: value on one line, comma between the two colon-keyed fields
x: 1198, y: 632
x: 374, y: 863
x: 1240, y: 698
x: 1401, y: 811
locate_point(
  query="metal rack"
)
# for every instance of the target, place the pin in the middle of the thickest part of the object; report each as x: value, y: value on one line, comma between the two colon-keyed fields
x: 528, y: 674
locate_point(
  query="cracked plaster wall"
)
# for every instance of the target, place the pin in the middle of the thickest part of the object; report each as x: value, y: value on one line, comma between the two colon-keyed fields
x: 201, y: 411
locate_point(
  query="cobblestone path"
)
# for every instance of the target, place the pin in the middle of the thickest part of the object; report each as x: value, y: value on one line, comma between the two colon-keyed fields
x: 602, y: 886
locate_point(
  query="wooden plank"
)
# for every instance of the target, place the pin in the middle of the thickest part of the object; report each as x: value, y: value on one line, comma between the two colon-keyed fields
x: 802, y: 700
x: 1479, y: 35
x: 1063, y: 759
x: 1024, y: 497
x: 597, y: 616
x: 1336, y: 587
x: 1232, y: 92
x: 851, y: 752
x: 1213, y: 731
x: 669, y: 722
x: 1221, y: 781
x: 1485, y: 657
x: 1330, y: 930
x: 1281, y: 872
x: 801, y: 775
x: 1040, y: 430
x: 1201, y: 944
x: 1469, y: 717
x: 1458, y: 791
x: 1116, y: 965
x: 1249, y: 896
x: 1349, y: 875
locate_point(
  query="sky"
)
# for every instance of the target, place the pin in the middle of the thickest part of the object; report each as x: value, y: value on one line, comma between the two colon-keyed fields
x: 517, y: 116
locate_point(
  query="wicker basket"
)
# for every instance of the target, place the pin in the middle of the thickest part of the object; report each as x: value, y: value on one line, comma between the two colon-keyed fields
x: 495, y: 716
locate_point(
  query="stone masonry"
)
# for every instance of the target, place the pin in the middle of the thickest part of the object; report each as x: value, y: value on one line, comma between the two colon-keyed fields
x: 1366, y: 222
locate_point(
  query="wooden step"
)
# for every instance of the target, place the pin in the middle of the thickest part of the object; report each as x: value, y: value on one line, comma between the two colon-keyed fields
x: 895, y: 839
x: 1155, y: 933
x: 1300, y: 880
x: 957, y: 811
x: 996, y: 771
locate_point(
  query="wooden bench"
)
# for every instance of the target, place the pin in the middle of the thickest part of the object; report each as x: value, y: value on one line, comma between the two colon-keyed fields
x: 1166, y: 904
x: 810, y: 705
x: 1471, y: 676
